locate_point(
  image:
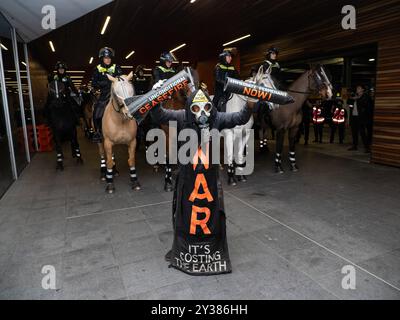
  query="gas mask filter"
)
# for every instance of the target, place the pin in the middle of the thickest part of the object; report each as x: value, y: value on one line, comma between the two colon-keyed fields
x: 201, y: 108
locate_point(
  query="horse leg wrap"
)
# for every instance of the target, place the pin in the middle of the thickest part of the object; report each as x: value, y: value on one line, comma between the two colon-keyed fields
x: 60, y: 157
x: 292, y: 159
x: 278, y: 159
x: 109, y: 176
x: 132, y: 172
x: 103, y: 166
x: 168, y: 173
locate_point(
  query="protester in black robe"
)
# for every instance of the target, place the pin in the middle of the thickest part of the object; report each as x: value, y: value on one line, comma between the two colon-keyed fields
x: 200, y: 245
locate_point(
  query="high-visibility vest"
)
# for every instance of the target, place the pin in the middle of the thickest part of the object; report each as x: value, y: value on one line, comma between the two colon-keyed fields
x: 223, y: 67
x: 166, y: 70
x: 109, y: 70
x: 338, y: 116
x: 317, y: 115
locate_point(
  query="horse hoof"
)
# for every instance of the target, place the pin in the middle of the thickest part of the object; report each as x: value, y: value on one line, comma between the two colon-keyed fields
x: 136, y: 185
x: 60, y: 167
x: 155, y: 168
x: 79, y: 160
x: 103, y: 177
x: 232, y: 182
x: 279, y: 170
x: 241, y: 178
x: 294, y: 168
x: 110, y: 188
x: 116, y: 173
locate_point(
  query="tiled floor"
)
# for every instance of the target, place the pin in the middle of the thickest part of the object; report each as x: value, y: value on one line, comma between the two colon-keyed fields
x: 289, y: 235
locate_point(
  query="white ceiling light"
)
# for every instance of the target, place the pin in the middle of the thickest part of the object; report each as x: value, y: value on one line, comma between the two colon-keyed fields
x: 236, y: 40
x: 52, y: 46
x: 177, y: 48
x: 3, y: 46
x: 131, y: 53
x: 91, y: 60
x: 105, y: 25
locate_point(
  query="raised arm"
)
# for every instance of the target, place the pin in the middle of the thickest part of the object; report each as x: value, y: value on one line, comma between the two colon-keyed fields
x: 163, y: 116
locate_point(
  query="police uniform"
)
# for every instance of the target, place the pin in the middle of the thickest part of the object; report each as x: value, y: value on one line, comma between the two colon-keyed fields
x: 102, y: 83
x: 221, y: 72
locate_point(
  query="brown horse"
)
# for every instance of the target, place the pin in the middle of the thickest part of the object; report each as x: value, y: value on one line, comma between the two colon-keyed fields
x: 119, y: 128
x: 177, y: 102
x: 88, y: 107
x: 288, y: 117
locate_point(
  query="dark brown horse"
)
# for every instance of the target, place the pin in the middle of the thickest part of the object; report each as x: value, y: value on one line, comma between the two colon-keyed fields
x: 288, y: 117
x: 62, y: 116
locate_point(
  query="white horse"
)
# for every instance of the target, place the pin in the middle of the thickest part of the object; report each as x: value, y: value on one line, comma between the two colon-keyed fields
x: 236, y: 140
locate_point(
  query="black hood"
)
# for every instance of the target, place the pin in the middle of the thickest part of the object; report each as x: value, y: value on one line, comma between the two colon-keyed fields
x: 190, y: 119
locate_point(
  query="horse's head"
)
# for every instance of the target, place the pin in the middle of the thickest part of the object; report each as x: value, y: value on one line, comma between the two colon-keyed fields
x: 320, y: 82
x: 122, y: 89
x: 263, y: 78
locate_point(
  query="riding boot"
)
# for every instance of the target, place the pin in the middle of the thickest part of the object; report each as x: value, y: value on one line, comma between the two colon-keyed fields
x: 103, y: 169
x: 60, y: 163
x: 292, y: 159
x: 278, y: 163
x: 231, y: 175
x: 110, y: 181
x: 134, y: 179
x: 168, y: 179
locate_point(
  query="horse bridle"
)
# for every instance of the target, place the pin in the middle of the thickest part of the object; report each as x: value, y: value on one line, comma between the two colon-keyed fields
x: 317, y: 79
x: 122, y: 105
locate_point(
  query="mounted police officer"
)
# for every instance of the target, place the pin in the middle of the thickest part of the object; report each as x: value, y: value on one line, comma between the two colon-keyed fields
x: 140, y: 82
x: 271, y: 65
x: 62, y: 75
x: 223, y: 70
x: 164, y: 71
x: 102, y: 83
x: 62, y: 113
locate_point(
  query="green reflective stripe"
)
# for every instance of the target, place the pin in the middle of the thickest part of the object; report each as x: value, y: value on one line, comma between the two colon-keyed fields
x: 165, y: 69
x: 110, y: 70
x: 226, y: 68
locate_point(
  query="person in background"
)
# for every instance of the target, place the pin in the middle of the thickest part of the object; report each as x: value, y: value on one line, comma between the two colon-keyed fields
x: 318, y: 120
x: 339, y: 116
x: 361, y: 117
x: 305, y: 123
x: 140, y: 82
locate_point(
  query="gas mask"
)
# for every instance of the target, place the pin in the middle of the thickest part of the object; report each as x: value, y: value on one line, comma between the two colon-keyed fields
x: 201, y: 108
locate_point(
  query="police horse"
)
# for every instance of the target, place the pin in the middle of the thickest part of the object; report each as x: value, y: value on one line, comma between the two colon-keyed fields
x: 288, y: 117
x: 119, y: 128
x: 62, y: 117
x: 236, y: 140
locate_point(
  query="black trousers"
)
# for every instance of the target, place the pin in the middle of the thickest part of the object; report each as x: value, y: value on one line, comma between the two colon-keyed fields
x: 362, y: 128
x: 318, y: 131
x: 339, y: 127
